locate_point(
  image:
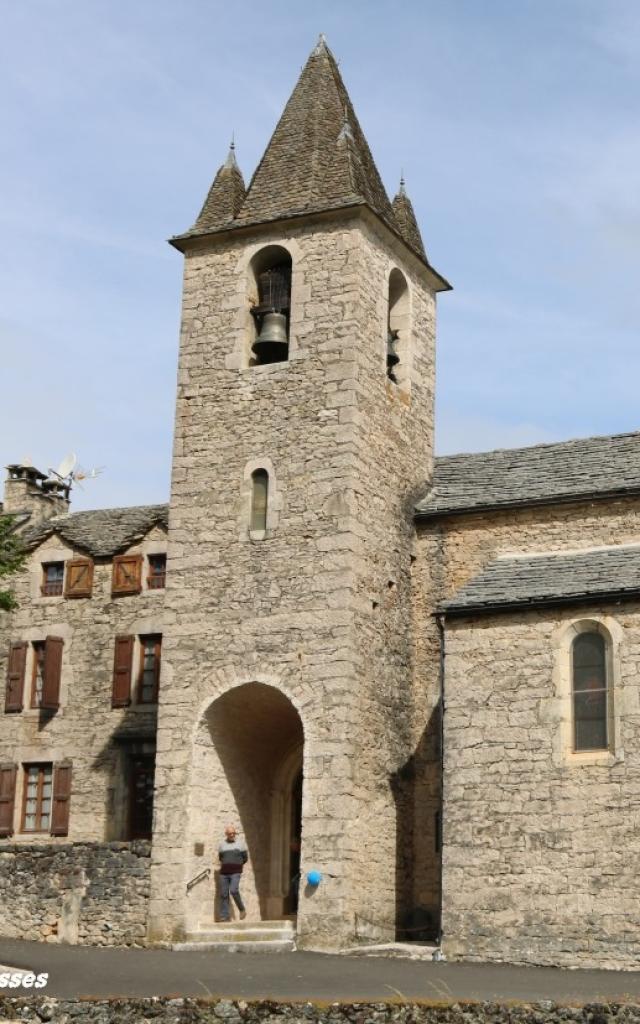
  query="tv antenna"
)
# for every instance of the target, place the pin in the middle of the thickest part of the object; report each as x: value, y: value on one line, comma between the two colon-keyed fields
x: 69, y: 472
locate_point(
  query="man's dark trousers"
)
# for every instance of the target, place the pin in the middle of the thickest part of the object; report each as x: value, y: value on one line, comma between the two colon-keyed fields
x: 230, y: 886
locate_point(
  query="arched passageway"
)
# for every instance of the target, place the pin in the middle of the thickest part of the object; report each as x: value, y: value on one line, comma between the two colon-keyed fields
x: 247, y: 770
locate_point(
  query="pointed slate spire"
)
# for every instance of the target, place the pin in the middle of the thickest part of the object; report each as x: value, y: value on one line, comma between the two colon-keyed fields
x: 225, y: 197
x: 405, y: 218
x: 318, y: 157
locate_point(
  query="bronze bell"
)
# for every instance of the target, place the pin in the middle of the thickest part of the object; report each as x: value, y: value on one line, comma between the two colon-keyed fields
x: 272, y: 345
x: 392, y: 356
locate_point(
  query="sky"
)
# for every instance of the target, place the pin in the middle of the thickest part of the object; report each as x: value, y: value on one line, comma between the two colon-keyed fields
x: 515, y: 123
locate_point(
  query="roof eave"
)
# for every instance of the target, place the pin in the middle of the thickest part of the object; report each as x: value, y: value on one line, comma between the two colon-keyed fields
x: 184, y: 242
x: 421, y: 515
x: 557, y: 601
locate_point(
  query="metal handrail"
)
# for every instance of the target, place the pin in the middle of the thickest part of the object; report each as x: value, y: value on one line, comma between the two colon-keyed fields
x: 198, y: 878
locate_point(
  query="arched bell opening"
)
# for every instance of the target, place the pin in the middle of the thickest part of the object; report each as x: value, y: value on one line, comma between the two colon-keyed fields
x: 247, y: 770
x: 270, y: 305
x: 397, y: 327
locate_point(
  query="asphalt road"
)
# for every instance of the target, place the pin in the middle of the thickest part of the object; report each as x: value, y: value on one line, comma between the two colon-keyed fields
x: 85, y: 971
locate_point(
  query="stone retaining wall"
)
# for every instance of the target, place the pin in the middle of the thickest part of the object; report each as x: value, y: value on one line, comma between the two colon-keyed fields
x: 91, y: 893
x: 192, y: 1011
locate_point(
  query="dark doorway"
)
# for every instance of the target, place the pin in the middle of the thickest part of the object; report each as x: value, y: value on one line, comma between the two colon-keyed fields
x: 295, y: 832
x: 141, y: 796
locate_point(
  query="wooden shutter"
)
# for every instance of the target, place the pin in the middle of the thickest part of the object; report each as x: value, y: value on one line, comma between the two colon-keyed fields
x: 127, y: 574
x: 15, y: 676
x: 51, y: 672
x: 61, y: 799
x: 122, y: 664
x: 8, y: 774
x: 78, y: 578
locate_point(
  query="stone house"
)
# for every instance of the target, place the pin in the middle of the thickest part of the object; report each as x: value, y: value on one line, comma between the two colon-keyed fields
x: 416, y: 676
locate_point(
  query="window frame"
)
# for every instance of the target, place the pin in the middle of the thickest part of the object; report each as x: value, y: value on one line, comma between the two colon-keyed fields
x: 41, y: 766
x: 576, y: 692
x: 564, y: 752
x: 46, y: 584
x: 152, y: 578
x: 156, y: 638
x: 36, y: 646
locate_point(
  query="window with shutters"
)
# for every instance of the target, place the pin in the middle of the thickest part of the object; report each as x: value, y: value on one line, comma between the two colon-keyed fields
x: 157, y: 572
x: 46, y: 673
x: 38, y: 795
x: 16, y: 666
x: 127, y: 574
x: 149, y: 675
x: 79, y: 578
x: 46, y: 798
x: 52, y: 579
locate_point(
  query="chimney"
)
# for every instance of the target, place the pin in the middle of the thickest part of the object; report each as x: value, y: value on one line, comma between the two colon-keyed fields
x: 27, y: 490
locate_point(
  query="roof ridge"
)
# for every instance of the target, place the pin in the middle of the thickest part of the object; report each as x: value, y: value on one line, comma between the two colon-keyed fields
x: 538, y: 445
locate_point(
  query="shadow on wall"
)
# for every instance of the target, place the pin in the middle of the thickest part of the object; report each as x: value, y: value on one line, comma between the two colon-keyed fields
x: 253, y: 729
x: 416, y: 793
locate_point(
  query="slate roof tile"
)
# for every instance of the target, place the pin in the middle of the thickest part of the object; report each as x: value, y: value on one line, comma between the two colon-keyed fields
x: 101, y: 532
x: 550, y: 578
x: 541, y: 474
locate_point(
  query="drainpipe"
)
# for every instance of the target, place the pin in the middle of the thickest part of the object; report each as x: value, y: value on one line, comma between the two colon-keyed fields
x: 440, y: 623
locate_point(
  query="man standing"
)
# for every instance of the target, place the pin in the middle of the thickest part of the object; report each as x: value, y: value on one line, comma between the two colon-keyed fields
x: 233, y: 855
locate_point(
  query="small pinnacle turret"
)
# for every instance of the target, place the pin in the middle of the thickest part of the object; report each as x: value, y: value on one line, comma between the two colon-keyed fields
x: 225, y: 198
x: 405, y: 219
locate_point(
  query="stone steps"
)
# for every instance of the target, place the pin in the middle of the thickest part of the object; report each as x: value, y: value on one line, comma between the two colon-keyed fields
x: 241, y: 937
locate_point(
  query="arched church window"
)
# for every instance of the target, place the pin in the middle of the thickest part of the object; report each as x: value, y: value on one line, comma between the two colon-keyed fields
x: 259, y: 499
x: 397, y: 326
x: 590, y: 692
x: 271, y: 305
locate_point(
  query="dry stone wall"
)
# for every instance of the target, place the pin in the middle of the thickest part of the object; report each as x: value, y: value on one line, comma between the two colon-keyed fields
x: 91, y: 893
x: 30, y: 1010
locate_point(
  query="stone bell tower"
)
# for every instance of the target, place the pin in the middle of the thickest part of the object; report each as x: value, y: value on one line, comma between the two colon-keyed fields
x: 304, y: 429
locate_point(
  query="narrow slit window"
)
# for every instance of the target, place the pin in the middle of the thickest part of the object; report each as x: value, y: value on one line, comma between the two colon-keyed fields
x: 590, y: 693
x: 259, y: 499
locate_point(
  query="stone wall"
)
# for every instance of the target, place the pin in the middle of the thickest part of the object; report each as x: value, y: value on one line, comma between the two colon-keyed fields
x: 319, y: 607
x: 541, y: 844
x: 34, y: 1010
x: 85, y: 729
x: 90, y: 893
x: 449, y: 553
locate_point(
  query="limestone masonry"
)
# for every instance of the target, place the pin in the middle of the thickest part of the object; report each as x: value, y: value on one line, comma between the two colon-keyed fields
x: 419, y: 678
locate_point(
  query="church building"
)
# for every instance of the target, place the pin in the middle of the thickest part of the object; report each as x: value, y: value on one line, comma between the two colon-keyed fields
x: 413, y: 683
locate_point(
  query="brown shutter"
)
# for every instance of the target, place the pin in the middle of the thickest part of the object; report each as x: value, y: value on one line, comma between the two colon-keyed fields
x: 122, y: 664
x: 51, y: 672
x: 78, y: 579
x: 61, y: 795
x: 127, y: 574
x: 8, y: 773
x: 15, y: 676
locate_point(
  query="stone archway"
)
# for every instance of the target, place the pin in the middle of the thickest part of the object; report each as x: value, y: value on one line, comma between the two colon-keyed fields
x: 246, y: 770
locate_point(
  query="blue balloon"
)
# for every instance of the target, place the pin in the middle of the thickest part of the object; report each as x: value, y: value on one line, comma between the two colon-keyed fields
x: 314, y: 877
